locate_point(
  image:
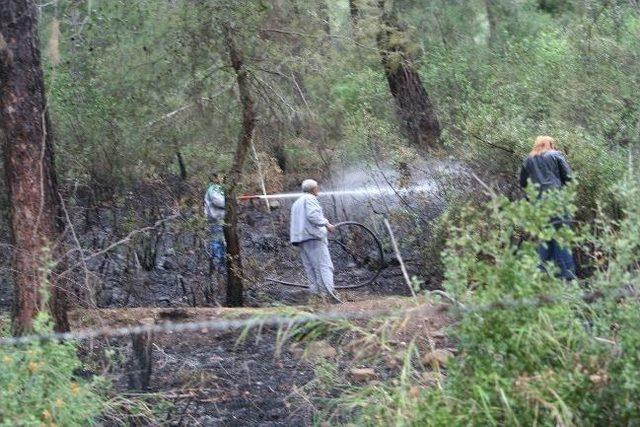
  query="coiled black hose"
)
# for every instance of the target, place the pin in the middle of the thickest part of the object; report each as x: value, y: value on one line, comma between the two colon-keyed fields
x: 378, y: 250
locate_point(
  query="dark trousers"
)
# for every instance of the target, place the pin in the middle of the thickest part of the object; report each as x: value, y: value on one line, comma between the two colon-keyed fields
x: 562, y: 257
x: 217, y: 246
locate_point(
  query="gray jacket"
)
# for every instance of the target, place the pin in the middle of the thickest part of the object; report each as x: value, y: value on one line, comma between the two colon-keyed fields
x: 214, y: 203
x: 549, y: 170
x: 307, y: 220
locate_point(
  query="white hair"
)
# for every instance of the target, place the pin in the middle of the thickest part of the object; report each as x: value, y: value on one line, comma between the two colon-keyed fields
x: 308, y: 185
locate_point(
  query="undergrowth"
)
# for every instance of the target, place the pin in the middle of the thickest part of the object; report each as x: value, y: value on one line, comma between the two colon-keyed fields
x: 45, y: 383
x: 545, y: 357
x: 39, y: 385
x: 531, y: 349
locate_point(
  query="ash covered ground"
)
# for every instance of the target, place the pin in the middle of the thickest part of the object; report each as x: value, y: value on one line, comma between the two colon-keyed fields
x: 215, y: 378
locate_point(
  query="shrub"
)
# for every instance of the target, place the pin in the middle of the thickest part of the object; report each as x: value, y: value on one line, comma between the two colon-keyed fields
x: 38, y: 385
x: 531, y: 348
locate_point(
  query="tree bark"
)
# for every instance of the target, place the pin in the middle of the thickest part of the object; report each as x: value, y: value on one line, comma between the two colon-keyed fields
x: 29, y: 167
x: 323, y: 13
x: 492, y: 18
x: 413, y: 105
x: 181, y: 165
x: 354, y: 12
x: 234, y: 259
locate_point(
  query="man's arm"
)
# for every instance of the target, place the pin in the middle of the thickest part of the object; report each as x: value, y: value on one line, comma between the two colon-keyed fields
x: 314, y: 213
x: 207, y: 204
x: 524, y: 176
x: 564, y: 169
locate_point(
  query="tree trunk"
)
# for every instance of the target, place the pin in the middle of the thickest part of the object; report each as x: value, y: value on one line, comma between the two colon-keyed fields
x: 354, y: 12
x: 182, y: 166
x: 29, y: 167
x: 492, y: 18
x: 323, y: 13
x: 234, y: 260
x: 413, y: 105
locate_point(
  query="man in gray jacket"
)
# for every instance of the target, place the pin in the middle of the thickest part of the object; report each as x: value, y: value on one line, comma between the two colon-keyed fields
x: 308, y: 231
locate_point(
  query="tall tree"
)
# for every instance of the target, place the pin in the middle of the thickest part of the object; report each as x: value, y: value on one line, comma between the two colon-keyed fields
x: 555, y: 7
x: 325, y: 16
x: 29, y: 167
x: 492, y: 19
x: 234, y: 259
x: 413, y: 105
x: 354, y: 11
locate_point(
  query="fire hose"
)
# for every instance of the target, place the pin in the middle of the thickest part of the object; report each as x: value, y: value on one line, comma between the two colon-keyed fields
x: 379, y: 265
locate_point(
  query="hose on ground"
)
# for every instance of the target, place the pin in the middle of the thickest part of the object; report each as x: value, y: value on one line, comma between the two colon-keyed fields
x: 378, y: 250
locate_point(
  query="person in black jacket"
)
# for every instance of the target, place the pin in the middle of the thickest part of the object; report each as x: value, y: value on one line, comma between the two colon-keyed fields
x: 547, y: 167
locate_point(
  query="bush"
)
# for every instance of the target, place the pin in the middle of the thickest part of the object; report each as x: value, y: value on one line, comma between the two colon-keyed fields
x: 38, y: 385
x: 531, y: 348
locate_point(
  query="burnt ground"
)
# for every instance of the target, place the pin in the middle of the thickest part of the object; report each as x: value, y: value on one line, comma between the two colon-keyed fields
x: 214, y: 379
x: 168, y: 267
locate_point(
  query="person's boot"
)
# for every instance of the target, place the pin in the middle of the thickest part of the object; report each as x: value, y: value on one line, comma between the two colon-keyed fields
x: 336, y: 298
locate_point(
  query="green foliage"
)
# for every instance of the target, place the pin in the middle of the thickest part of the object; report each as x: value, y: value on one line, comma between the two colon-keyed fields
x: 531, y: 351
x: 487, y: 245
x: 567, y: 75
x: 564, y: 68
x: 541, y: 363
x: 518, y: 362
x: 139, y: 82
x: 38, y: 385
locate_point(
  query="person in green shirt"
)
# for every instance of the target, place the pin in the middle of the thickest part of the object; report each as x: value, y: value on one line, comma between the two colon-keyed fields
x: 214, y: 211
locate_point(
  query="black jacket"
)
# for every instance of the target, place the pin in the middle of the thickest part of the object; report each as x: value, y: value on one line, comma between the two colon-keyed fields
x: 549, y: 170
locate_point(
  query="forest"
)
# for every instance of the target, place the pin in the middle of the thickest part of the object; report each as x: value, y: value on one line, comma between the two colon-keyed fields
x: 473, y: 165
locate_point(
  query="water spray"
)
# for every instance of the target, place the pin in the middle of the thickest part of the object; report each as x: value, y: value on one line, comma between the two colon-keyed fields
x: 367, y: 191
